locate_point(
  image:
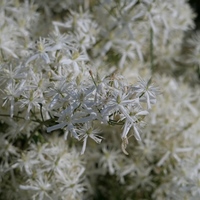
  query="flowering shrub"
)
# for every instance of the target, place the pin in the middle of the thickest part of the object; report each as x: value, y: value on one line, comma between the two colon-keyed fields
x: 78, y: 79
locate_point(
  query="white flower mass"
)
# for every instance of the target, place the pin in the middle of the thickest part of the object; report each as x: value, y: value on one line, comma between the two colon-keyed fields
x: 99, y: 100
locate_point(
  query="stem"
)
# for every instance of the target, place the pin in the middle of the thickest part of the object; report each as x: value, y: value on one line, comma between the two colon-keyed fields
x: 151, y: 50
x: 90, y: 72
x: 18, y: 117
x: 41, y: 112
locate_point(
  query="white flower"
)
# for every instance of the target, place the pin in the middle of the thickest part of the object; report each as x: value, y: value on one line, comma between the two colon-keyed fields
x: 88, y: 131
x: 128, y: 51
x: 110, y: 160
x: 146, y: 92
x: 58, y: 41
x: 193, y: 43
x: 70, y: 182
x: 42, y: 49
x: 13, y: 91
x: 41, y: 187
x: 26, y: 163
x: 74, y: 59
x: 10, y: 73
x: 7, y: 45
x: 118, y: 103
x: 67, y: 119
x: 30, y: 99
x: 134, y: 124
x: 7, y: 149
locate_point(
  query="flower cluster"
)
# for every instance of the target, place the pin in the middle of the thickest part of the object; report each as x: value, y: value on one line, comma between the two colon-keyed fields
x: 81, y: 113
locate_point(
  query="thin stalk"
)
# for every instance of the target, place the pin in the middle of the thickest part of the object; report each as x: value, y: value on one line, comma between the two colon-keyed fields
x: 151, y: 50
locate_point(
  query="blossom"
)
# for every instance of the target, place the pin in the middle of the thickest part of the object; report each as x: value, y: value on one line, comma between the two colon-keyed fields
x: 193, y: 43
x: 146, y: 92
x: 41, y: 186
x: 66, y: 119
x: 70, y: 184
x: 87, y: 131
x: 42, y: 49
x: 58, y: 41
x: 7, y: 45
x: 109, y: 160
x: 10, y: 73
x: 30, y: 99
x: 134, y: 123
x: 74, y: 59
x: 119, y: 102
x: 25, y: 163
x: 13, y: 91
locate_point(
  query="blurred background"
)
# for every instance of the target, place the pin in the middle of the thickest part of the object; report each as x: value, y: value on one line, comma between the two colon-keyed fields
x: 196, y: 6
